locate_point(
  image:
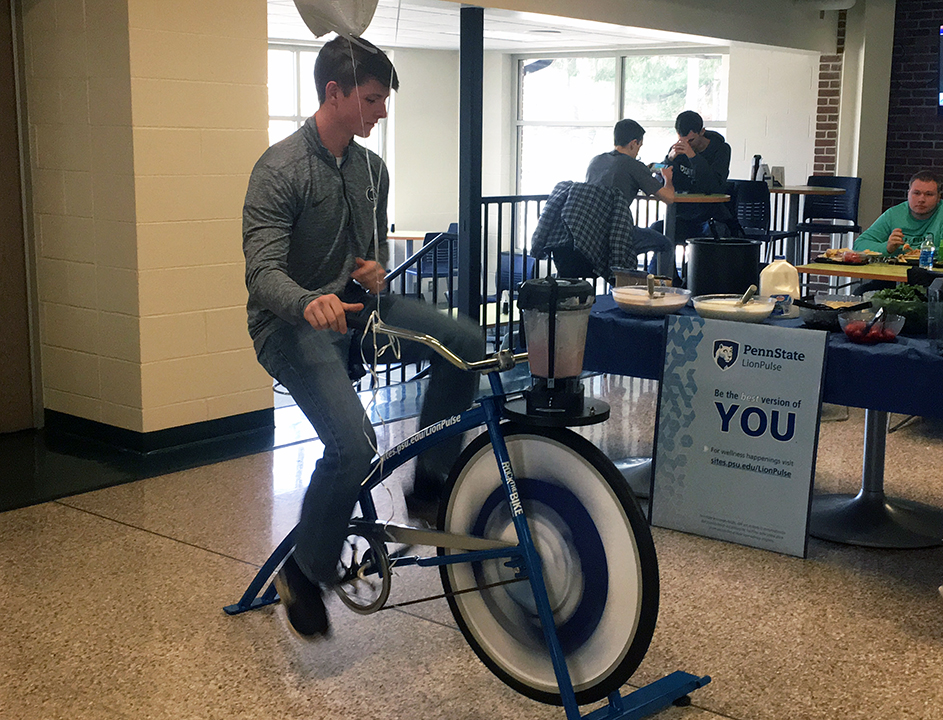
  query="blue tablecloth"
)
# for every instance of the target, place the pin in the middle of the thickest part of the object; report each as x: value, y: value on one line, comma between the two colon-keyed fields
x: 905, y: 376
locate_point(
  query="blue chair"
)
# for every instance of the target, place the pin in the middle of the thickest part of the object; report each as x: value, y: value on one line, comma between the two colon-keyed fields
x: 513, y: 269
x: 751, y: 208
x: 439, y: 263
x: 831, y: 214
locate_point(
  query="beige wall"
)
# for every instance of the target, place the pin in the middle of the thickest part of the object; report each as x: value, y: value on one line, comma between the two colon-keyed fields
x: 866, y: 85
x: 425, y: 140
x: 144, y: 121
x: 16, y: 383
x: 793, y: 24
x: 771, y: 109
x: 772, y: 92
x: 498, y: 114
x: 424, y: 136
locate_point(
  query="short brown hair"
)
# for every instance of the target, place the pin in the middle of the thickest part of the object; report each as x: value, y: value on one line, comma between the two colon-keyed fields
x: 351, y: 64
x: 688, y: 122
x: 925, y: 176
x: 626, y: 131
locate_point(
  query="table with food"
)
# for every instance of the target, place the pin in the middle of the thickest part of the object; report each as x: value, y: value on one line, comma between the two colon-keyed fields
x: 882, y: 337
x: 864, y: 264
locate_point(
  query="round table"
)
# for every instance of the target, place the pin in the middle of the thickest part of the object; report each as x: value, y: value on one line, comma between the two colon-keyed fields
x: 792, y: 219
x: 671, y: 214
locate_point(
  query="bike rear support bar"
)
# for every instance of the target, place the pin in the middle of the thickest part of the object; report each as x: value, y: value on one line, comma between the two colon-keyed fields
x: 672, y: 689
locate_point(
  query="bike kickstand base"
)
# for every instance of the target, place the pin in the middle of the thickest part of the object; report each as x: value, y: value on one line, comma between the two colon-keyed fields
x: 648, y: 700
x: 254, y: 597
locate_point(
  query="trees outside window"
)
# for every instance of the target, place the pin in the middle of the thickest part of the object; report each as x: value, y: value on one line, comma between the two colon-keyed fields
x: 568, y: 105
x: 292, y: 98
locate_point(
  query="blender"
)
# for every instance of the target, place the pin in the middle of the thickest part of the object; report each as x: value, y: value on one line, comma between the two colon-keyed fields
x: 556, y: 314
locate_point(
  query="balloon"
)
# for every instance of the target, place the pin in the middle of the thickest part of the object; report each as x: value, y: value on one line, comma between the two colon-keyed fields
x: 345, y: 17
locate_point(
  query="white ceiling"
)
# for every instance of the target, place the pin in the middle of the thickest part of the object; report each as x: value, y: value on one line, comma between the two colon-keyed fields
x: 432, y: 24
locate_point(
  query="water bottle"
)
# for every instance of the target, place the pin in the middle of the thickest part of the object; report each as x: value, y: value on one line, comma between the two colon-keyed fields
x: 927, y: 251
x: 755, y: 170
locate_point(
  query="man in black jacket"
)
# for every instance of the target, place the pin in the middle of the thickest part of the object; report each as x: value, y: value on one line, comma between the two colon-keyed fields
x: 701, y: 163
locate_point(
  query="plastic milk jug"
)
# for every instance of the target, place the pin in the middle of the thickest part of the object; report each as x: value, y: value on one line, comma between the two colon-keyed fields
x: 780, y: 280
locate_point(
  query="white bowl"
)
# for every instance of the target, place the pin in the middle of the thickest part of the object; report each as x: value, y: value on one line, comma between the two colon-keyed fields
x: 636, y: 300
x: 726, y: 307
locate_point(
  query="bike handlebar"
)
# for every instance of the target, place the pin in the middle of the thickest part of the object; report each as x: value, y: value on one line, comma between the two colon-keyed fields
x: 500, y: 361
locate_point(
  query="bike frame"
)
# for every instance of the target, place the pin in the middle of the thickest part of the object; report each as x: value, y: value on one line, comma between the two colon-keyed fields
x: 488, y: 412
x: 413, y: 446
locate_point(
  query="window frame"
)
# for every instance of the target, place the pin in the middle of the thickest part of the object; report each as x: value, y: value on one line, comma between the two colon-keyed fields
x: 517, y: 123
x: 297, y: 48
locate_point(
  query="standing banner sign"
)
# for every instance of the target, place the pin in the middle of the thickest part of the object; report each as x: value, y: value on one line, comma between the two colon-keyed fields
x: 738, y: 418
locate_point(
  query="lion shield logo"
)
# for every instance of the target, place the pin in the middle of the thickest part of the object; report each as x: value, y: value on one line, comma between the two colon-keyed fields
x: 726, y: 353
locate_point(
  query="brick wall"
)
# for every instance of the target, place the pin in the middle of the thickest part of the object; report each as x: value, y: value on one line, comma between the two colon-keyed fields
x: 826, y: 135
x: 914, y: 129
x: 826, y: 119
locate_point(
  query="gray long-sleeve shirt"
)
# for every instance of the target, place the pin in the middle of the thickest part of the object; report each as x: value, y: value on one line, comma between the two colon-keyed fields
x: 304, y: 221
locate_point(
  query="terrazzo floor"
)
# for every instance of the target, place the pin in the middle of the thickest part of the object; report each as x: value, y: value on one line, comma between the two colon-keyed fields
x: 112, y: 604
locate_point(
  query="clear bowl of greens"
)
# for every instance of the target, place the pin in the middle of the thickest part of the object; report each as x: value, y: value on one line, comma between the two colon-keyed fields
x: 908, y: 301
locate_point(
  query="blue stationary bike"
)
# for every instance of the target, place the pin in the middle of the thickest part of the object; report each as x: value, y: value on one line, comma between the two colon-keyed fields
x: 546, y: 560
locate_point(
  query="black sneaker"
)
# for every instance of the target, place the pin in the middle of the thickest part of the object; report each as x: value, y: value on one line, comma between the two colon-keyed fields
x: 302, y: 600
x: 422, y: 509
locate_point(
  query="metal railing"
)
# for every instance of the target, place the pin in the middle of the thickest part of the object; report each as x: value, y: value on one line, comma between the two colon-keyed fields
x: 507, y: 226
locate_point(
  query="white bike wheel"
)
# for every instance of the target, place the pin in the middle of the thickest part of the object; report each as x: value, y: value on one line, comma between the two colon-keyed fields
x: 598, y: 562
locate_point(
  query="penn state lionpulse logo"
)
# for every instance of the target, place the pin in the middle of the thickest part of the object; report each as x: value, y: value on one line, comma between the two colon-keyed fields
x: 726, y: 353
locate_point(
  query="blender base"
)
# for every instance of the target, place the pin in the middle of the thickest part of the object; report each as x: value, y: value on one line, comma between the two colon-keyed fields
x: 594, y: 411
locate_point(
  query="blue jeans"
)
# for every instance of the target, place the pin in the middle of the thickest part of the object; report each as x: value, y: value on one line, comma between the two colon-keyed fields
x: 648, y: 240
x: 312, y: 365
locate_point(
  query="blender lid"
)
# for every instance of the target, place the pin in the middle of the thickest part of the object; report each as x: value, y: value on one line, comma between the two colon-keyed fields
x: 571, y: 294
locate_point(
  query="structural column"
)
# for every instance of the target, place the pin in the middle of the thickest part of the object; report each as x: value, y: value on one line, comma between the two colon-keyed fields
x: 144, y: 121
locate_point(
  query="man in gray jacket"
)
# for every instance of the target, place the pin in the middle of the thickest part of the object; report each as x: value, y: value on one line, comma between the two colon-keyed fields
x: 314, y: 238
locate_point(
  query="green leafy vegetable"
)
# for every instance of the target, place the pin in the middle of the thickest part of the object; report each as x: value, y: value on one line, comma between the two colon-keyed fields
x: 903, y: 293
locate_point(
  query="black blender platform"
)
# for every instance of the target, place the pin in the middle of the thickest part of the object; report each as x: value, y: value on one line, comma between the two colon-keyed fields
x: 594, y: 411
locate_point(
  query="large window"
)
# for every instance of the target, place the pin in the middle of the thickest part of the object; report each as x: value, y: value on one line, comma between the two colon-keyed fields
x: 568, y: 105
x: 292, y: 98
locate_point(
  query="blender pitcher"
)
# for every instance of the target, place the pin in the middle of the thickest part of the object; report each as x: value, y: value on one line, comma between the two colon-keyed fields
x: 556, y: 314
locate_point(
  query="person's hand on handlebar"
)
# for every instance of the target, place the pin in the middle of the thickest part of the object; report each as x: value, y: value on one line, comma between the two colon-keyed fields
x: 370, y: 274
x: 329, y: 312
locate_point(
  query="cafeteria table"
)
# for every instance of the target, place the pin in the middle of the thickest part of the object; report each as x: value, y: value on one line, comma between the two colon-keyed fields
x: 402, y: 244
x: 671, y: 217
x: 892, y: 272
x: 624, y: 344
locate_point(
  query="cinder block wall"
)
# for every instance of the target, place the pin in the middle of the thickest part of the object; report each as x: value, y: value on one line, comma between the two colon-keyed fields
x: 144, y: 121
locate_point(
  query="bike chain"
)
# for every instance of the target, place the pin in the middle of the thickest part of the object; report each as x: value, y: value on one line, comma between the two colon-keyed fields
x: 477, y: 588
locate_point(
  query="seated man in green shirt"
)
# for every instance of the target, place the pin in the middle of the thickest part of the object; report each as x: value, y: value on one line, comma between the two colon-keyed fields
x: 904, y: 226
